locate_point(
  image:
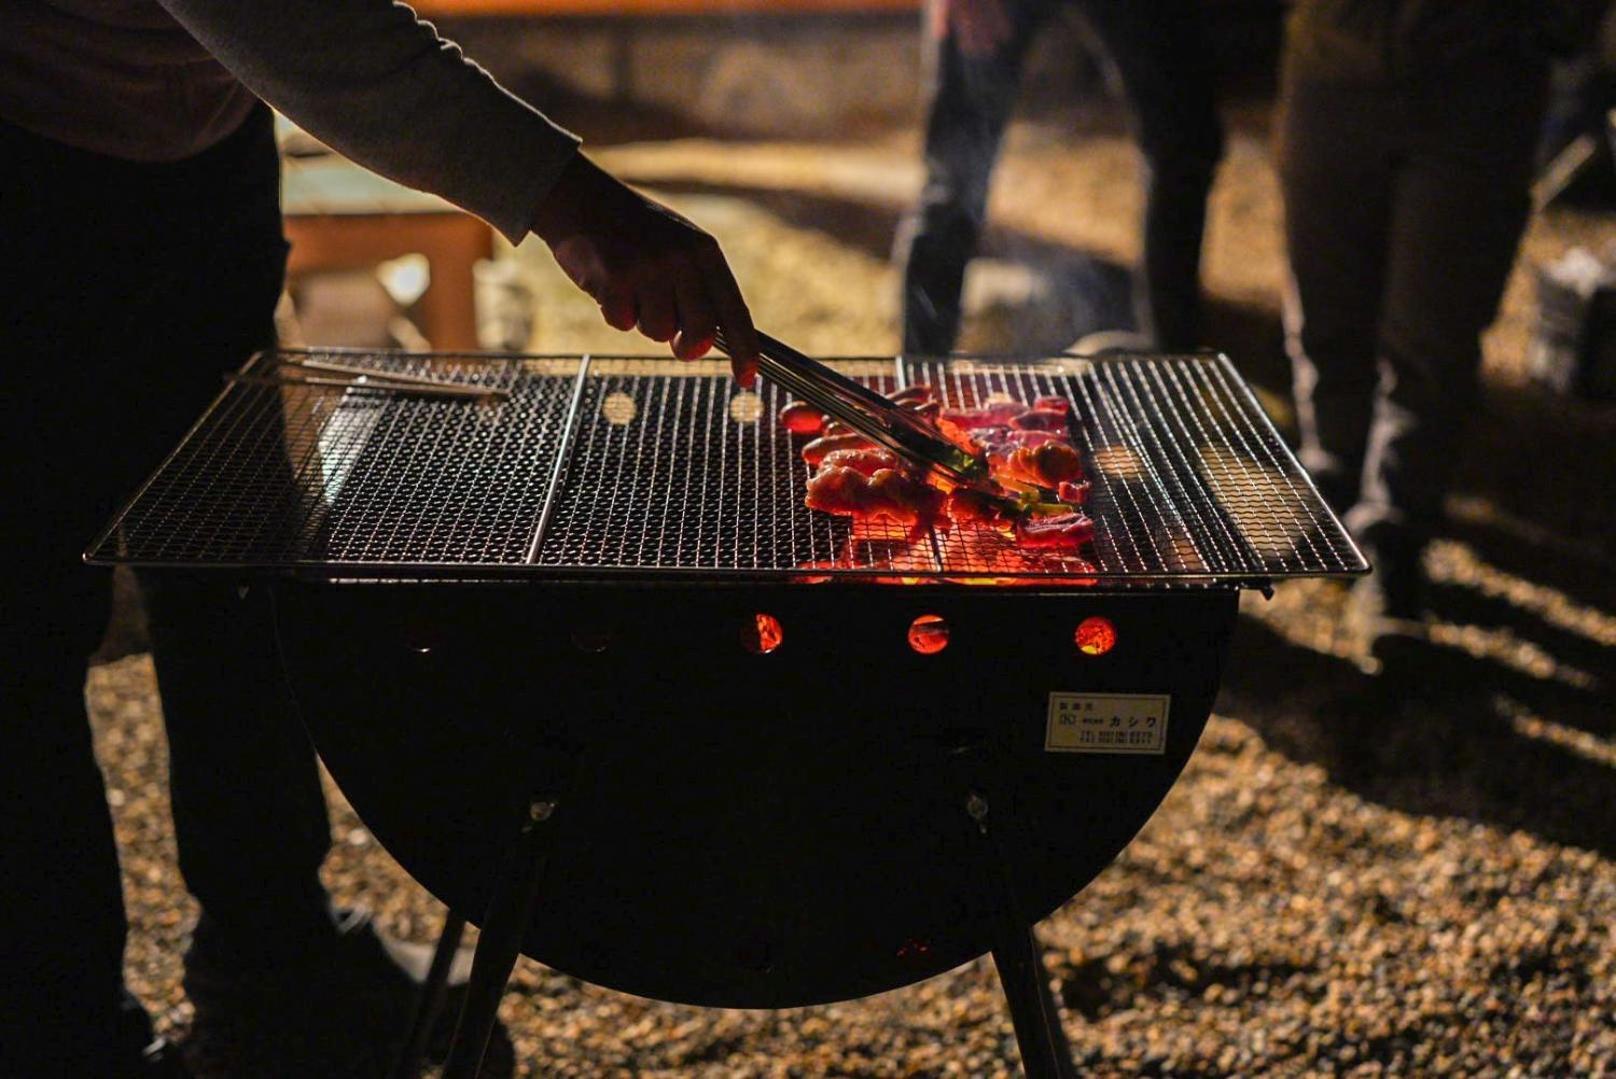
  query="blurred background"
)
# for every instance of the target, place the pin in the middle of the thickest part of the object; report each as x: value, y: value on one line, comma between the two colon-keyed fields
x: 1342, y: 883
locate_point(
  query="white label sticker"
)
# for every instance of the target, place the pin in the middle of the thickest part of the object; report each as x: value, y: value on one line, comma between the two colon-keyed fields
x: 1107, y: 723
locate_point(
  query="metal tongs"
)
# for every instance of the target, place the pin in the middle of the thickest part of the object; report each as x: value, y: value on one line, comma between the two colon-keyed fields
x: 366, y: 379
x: 869, y: 413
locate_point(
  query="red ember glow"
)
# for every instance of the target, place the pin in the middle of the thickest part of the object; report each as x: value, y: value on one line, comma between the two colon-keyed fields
x: 1095, y: 636
x: 762, y: 635
x: 928, y: 634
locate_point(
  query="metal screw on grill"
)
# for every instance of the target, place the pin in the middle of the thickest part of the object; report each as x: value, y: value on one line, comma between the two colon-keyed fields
x: 976, y: 807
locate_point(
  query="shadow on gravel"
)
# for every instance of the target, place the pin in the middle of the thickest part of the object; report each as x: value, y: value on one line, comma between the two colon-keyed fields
x: 1099, y: 985
x: 1448, y: 747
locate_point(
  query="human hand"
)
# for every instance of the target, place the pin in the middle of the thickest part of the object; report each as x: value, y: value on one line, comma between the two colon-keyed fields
x: 646, y: 266
x: 980, y: 27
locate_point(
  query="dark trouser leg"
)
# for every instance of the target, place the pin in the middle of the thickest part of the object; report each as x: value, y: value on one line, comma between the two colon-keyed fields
x: 249, y: 814
x: 64, y: 1008
x: 249, y: 848
x: 1460, y: 203
x: 971, y: 99
x: 63, y: 950
x: 1335, y: 164
x: 1160, y: 53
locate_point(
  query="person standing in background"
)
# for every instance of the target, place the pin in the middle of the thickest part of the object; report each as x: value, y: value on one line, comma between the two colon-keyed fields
x: 1406, y: 145
x: 140, y: 219
x: 976, y: 52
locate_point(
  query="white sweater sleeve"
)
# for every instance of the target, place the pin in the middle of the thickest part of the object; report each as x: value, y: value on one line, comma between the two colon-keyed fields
x: 376, y: 83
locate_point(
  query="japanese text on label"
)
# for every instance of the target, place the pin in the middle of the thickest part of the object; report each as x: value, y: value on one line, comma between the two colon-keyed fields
x: 1107, y: 723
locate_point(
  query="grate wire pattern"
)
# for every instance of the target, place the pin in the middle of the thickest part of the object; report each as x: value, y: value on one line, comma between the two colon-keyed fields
x: 1190, y: 479
x: 594, y: 467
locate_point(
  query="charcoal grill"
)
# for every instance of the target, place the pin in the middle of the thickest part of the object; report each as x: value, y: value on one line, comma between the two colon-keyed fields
x: 587, y: 667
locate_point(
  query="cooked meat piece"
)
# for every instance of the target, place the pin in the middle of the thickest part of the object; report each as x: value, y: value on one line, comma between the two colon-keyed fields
x: 1023, y: 446
x: 971, y: 419
x: 1073, y: 494
x: 801, y: 418
x: 1068, y: 532
x: 1006, y: 439
x: 889, y: 495
x: 867, y: 462
x: 1040, y: 419
x: 814, y: 453
x: 1047, y: 464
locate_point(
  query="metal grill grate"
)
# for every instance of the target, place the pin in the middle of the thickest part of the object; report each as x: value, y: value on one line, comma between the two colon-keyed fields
x: 1190, y: 478
x: 611, y: 465
x: 677, y: 468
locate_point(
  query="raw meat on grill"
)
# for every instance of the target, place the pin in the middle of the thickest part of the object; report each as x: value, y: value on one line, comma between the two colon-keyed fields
x: 1040, y: 419
x: 801, y: 418
x: 997, y: 414
x: 869, y: 462
x: 1027, y: 451
x: 1048, y: 464
x: 1073, y: 494
x: 814, y: 453
x: 888, y: 495
x: 1066, y: 532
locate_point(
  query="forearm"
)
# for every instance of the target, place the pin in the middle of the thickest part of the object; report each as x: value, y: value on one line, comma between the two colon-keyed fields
x: 374, y: 82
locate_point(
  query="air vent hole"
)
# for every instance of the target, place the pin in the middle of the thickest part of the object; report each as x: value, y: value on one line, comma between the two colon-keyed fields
x: 928, y: 634
x: 762, y: 634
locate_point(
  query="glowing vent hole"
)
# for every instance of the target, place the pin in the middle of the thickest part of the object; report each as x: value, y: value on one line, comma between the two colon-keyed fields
x: 928, y: 634
x: 1095, y: 636
x: 762, y: 635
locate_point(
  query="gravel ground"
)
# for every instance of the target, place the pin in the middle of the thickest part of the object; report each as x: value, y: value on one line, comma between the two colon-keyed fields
x: 1339, y: 884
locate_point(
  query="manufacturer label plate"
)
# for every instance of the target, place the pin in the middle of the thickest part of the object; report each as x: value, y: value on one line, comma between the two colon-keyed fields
x: 1107, y: 723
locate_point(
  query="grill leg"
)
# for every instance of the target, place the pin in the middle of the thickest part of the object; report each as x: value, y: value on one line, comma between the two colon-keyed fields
x: 1045, y: 1053
x: 430, y: 1001
x: 515, y: 891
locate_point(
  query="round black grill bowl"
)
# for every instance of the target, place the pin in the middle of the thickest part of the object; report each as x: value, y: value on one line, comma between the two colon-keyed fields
x: 740, y: 829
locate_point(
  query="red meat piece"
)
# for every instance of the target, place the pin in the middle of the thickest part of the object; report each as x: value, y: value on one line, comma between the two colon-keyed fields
x: 888, y: 495
x: 816, y: 451
x: 1067, y: 532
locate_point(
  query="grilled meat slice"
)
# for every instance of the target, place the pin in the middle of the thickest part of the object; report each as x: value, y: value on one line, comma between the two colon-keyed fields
x: 1067, y: 532
x: 867, y: 462
x: 801, y: 418
x: 816, y: 451
x: 888, y: 495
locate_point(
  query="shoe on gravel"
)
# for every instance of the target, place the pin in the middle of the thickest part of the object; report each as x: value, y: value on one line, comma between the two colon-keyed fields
x: 341, y: 1007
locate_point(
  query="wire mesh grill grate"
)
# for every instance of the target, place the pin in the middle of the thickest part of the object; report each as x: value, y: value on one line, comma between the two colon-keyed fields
x: 1190, y: 479
x: 614, y: 465
x: 680, y: 469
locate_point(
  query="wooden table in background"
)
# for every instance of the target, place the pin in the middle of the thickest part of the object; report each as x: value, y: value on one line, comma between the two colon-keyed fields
x: 342, y: 217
